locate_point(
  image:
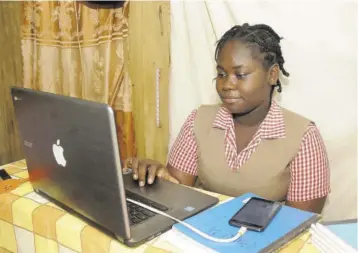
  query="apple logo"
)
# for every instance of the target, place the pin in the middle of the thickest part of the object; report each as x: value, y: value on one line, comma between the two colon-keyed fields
x: 58, y: 154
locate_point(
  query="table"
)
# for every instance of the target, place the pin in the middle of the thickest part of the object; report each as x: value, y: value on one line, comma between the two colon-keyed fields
x: 29, y: 223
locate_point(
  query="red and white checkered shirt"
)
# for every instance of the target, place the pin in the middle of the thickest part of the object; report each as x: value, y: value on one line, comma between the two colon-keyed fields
x: 310, y: 177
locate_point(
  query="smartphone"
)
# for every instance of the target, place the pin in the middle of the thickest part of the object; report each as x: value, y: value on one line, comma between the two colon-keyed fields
x: 256, y: 214
x: 4, y: 175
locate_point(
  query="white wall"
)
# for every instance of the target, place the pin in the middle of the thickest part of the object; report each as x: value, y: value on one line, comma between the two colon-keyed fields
x: 320, y: 49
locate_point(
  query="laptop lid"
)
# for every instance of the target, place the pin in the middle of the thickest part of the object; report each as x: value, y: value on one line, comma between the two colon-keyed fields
x: 72, y: 155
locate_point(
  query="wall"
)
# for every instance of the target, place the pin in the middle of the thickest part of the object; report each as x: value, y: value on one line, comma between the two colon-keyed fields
x: 148, y: 44
x: 10, y: 74
x: 320, y: 49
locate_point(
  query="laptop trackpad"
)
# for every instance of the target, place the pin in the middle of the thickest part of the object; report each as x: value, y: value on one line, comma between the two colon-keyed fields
x: 160, y: 191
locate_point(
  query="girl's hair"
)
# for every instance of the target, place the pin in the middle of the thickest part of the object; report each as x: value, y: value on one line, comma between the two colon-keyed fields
x: 261, y: 37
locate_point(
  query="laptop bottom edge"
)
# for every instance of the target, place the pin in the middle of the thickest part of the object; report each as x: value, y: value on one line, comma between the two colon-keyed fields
x: 80, y: 216
x: 135, y: 242
x: 136, y: 239
x: 152, y: 228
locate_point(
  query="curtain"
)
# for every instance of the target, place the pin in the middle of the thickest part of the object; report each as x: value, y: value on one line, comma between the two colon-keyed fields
x: 10, y: 74
x: 77, y: 49
x: 320, y: 54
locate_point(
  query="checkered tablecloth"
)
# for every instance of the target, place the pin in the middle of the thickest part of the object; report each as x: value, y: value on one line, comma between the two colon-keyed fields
x: 32, y: 224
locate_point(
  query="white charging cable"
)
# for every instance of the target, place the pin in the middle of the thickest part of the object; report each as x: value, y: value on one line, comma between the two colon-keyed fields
x: 241, y: 232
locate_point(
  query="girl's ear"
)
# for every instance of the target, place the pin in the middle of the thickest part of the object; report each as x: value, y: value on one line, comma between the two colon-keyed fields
x: 273, y: 74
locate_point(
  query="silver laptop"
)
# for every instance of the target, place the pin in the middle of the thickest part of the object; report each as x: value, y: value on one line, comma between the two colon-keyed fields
x: 72, y: 155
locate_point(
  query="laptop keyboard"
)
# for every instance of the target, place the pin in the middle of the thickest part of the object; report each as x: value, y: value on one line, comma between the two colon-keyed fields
x: 138, y: 214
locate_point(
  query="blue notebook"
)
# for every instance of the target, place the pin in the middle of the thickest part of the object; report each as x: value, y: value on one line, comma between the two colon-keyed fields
x: 287, y: 224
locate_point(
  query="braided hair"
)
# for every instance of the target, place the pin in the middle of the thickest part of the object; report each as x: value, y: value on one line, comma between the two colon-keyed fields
x: 261, y: 37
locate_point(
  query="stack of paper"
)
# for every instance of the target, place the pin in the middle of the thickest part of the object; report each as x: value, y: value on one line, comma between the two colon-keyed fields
x: 327, y: 242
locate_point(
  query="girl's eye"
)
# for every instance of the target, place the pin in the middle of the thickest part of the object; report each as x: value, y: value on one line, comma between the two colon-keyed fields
x: 220, y: 75
x: 240, y: 76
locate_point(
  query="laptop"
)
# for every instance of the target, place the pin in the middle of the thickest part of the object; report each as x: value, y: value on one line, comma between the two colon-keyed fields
x: 72, y: 155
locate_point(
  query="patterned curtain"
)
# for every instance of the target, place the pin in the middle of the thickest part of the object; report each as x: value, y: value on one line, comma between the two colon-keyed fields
x: 77, y: 49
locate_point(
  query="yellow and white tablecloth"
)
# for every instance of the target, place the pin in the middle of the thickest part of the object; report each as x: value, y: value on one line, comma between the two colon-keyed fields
x: 32, y: 224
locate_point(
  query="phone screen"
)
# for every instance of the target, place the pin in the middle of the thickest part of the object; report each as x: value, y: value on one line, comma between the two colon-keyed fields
x: 256, y: 214
x: 4, y: 175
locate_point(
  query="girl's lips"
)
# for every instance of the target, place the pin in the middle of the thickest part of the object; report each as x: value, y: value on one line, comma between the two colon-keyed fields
x: 231, y: 100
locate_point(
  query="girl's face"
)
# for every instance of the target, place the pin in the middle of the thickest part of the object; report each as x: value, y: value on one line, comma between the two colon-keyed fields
x: 242, y: 82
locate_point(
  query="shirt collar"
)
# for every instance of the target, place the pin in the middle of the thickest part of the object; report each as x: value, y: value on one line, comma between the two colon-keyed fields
x: 272, y: 127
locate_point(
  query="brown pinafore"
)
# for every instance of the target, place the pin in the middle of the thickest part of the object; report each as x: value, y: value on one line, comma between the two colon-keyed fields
x: 266, y: 173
